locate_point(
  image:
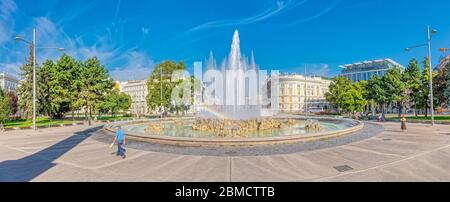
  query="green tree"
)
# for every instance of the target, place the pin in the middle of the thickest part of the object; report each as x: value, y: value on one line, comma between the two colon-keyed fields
x: 412, y: 79
x: 63, y: 76
x: 14, y: 101
x: 5, y: 106
x: 184, y: 94
x: 353, y: 101
x: 114, y: 102
x: 395, y: 88
x: 424, y: 101
x: 76, y: 101
x: 377, y: 93
x: 44, y: 83
x: 337, y: 88
x: 94, y: 85
x: 164, y: 81
x: 25, y: 90
x: 361, y: 87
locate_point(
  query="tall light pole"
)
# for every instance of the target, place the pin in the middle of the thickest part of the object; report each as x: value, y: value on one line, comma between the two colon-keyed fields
x: 431, y: 76
x: 430, y: 33
x: 33, y: 44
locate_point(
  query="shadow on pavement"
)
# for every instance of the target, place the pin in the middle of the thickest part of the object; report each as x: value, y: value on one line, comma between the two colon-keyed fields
x: 29, y: 167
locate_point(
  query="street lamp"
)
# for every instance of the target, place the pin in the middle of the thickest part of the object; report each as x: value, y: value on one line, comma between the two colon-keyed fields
x: 430, y: 33
x: 33, y: 44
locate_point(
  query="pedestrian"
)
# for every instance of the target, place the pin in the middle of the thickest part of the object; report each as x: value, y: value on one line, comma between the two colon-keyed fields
x: 121, y: 141
x: 403, y: 123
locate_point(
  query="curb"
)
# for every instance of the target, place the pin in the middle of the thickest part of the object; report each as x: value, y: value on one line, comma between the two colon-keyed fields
x: 219, y: 142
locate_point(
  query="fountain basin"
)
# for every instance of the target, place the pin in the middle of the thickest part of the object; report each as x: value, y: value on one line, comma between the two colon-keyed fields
x: 135, y: 131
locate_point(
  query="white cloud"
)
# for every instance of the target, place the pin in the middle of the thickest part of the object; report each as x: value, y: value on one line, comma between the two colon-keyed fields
x: 50, y: 36
x: 7, y: 8
x: 138, y: 67
x: 11, y: 68
x: 106, y: 47
x: 319, y: 14
x: 318, y: 69
x: 278, y: 8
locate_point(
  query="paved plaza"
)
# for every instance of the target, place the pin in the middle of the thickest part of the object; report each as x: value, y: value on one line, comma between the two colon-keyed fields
x: 74, y: 154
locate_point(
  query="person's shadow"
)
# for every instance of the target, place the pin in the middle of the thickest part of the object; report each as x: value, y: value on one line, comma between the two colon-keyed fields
x: 29, y: 167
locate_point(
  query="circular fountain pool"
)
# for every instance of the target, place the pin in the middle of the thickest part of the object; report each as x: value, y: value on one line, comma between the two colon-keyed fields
x: 181, y: 132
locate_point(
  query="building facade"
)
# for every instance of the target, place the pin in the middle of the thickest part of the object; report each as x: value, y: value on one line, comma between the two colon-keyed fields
x: 8, y: 82
x: 137, y: 90
x: 363, y: 71
x: 299, y: 94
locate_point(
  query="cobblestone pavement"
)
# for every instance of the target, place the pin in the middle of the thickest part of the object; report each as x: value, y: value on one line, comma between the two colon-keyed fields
x: 377, y: 153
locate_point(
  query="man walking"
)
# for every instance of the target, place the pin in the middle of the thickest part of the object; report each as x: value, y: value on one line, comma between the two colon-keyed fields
x: 120, y: 140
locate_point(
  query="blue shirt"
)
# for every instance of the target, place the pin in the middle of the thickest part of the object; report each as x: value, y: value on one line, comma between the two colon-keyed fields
x: 120, y: 135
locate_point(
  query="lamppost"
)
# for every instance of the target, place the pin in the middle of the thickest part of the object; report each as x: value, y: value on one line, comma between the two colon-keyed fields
x: 33, y: 44
x: 431, y: 32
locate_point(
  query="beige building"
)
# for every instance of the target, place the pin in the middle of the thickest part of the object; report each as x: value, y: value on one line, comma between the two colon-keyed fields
x: 8, y: 82
x: 137, y: 90
x: 297, y: 93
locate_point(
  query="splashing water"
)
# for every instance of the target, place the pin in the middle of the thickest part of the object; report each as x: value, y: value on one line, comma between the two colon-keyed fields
x: 242, y: 99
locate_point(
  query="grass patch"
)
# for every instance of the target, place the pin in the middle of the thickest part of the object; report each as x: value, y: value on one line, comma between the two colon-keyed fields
x: 423, y: 118
x: 113, y: 118
x: 21, y: 123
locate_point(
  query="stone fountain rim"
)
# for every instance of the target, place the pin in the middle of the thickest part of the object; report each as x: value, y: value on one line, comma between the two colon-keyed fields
x: 252, y: 141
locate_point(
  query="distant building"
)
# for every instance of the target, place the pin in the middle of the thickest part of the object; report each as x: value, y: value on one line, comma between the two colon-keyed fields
x: 8, y: 82
x: 365, y: 70
x: 137, y: 90
x: 298, y: 93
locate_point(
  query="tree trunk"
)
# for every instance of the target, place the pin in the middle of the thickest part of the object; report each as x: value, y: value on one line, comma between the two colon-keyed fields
x: 415, y: 108
x: 383, y: 112
x: 372, y: 104
x: 73, y: 115
x: 400, y: 108
x: 90, y: 116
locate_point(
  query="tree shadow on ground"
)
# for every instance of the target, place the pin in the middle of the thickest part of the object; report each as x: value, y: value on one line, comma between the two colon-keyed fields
x: 29, y: 167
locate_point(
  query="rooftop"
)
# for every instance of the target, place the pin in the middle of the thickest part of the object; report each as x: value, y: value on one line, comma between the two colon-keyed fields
x: 371, y: 62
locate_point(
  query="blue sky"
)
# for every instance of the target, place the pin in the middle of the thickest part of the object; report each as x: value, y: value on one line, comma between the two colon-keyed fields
x: 130, y: 36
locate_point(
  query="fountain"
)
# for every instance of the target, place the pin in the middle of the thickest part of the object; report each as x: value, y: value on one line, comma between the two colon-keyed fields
x: 239, y: 128
x: 312, y: 125
x: 235, y: 114
x: 242, y: 95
